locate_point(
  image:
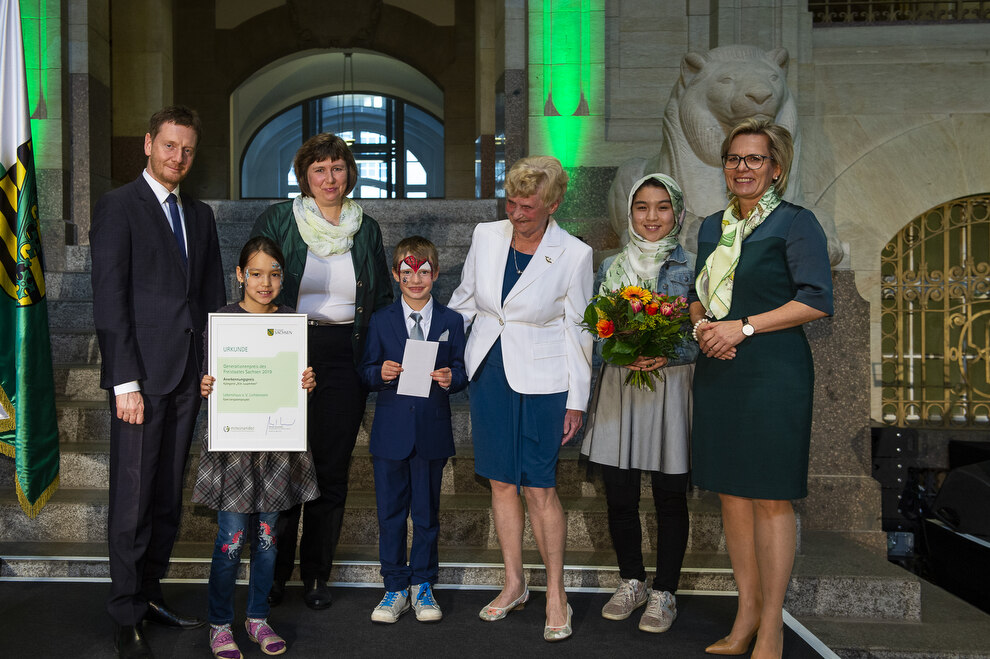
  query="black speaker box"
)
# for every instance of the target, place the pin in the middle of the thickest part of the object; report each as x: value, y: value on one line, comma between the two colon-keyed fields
x: 963, y: 502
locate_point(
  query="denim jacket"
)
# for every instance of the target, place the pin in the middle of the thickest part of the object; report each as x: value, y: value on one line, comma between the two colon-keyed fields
x: 676, y: 277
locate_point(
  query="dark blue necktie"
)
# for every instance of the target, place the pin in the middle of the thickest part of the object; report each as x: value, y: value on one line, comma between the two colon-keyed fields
x: 173, y: 211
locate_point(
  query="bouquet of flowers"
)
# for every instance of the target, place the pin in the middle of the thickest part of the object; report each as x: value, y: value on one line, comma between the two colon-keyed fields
x: 634, y: 321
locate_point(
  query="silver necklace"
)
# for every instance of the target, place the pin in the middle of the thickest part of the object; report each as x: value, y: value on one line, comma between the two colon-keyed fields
x: 515, y: 261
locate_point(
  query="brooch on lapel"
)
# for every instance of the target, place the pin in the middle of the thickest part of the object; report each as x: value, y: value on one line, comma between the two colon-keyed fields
x: 549, y: 260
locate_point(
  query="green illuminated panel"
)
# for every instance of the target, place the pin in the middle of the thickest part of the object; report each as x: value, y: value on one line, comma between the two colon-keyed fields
x: 41, y: 29
x: 566, y: 63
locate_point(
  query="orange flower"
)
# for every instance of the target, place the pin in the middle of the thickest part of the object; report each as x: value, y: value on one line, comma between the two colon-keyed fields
x: 636, y: 293
x: 605, y: 328
x: 652, y: 308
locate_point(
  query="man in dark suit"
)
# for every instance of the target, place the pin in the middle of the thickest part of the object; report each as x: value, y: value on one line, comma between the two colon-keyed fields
x: 156, y: 275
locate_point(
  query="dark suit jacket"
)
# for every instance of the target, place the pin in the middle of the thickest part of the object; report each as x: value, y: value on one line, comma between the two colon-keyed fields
x: 402, y: 422
x: 147, y: 307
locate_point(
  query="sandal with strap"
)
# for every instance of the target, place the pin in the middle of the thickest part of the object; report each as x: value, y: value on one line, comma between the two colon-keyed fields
x: 222, y: 643
x: 261, y: 633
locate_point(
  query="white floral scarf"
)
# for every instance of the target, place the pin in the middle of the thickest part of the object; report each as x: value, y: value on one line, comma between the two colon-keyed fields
x: 322, y: 237
x: 714, y: 283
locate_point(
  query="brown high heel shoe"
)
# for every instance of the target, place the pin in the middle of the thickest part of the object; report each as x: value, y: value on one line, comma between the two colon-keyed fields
x: 725, y: 647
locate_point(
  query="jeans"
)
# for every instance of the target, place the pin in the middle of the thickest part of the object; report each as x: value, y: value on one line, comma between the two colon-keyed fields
x: 231, y: 536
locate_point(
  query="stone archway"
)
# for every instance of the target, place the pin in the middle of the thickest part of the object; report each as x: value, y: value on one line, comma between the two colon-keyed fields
x: 884, y: 176
x: 213, y: 62
x: 314, y: 73
x: 935, y: 318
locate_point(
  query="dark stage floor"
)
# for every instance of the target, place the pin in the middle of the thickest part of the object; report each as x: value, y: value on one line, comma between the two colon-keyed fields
x: 49, y: 619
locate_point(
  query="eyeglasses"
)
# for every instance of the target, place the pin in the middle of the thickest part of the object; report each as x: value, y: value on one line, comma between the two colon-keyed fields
x: 753, y: 161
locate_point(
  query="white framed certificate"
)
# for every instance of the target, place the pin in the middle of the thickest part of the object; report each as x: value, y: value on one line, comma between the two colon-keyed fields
x: 258, y: 403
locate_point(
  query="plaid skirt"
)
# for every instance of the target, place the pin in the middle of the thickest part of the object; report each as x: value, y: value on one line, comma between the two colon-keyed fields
x: 253, y: 482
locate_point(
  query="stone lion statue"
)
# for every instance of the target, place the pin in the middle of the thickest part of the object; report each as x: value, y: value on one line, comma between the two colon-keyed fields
x: 716, y: 90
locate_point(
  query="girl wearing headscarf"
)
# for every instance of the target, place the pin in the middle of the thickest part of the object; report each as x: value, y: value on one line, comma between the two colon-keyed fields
x: 633, y: 430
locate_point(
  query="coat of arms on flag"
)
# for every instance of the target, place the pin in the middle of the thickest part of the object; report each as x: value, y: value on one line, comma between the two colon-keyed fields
x: 28, y: 432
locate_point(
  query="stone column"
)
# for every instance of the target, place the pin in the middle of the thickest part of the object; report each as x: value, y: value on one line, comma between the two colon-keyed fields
x: 141, y: 66
x: 516, y: 82
x: 89, y: 120
x: 44, y: 30
x: 484, y: 84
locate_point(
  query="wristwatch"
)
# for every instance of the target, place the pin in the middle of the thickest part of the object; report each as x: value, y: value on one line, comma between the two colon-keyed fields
x: 747, y: 329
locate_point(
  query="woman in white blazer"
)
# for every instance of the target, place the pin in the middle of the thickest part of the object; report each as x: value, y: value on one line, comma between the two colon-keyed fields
x: 524, y: 288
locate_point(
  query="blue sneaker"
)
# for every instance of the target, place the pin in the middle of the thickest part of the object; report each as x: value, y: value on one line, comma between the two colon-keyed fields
x: 427, y: 609
x: 393, y: 605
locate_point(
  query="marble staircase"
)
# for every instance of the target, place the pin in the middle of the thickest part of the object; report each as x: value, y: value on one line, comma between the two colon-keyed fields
x: 836, y: 582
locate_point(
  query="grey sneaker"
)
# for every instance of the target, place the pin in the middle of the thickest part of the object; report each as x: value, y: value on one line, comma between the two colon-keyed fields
x: 393, y: 605
x: 427, y: 609
x: 629, y: 596
x: 660, y: 613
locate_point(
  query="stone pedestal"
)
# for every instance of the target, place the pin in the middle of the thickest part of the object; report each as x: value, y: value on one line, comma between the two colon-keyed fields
x: 842, y: 495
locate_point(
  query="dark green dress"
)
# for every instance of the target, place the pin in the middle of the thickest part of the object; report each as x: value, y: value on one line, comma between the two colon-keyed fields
x: 752, y: 414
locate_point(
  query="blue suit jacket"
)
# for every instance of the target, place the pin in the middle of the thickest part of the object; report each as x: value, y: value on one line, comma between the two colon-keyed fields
x: 403, y: 422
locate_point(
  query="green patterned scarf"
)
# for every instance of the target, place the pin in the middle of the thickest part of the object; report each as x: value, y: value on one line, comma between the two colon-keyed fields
x: 323, y: 238
x: 639, y: 261
x: 714, y: 284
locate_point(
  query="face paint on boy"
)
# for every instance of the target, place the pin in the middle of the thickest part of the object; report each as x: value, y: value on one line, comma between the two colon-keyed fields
x: 415, y: 264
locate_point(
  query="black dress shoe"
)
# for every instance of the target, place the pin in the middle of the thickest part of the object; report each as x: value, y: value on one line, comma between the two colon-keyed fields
x: 277, y: 593
x: 161, y: 614
x: 317, y: 595
x: 130, y: 644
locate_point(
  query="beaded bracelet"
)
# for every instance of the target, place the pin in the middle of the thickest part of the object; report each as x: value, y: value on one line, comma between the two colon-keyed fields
x: 694, y: 330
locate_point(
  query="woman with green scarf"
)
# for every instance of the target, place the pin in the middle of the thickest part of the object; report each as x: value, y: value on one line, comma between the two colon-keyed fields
x: 336, y: 273
x: 633, y: 430
x: 763, y: 271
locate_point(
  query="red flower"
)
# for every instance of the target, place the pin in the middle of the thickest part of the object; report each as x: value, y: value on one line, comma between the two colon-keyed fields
x: 652, y: 308
x: 605, y: 328
x: 667, y: 309
x: 636, y: 305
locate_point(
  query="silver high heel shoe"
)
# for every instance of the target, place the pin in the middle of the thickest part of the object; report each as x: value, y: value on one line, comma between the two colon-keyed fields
x: 559, y: 633
x: 491, y: 613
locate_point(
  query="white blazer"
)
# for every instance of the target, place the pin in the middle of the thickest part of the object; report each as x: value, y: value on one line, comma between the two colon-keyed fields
x: 544, y: 349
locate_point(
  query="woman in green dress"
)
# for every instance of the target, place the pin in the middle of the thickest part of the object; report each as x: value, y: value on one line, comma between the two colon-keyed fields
x: 763, y: 271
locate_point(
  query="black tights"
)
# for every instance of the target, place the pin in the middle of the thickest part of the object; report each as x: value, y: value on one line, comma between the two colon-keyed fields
x: 622, y: 492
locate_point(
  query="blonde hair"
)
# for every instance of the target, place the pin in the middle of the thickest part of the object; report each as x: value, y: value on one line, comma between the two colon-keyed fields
x: 537, y: 174
x: 780, y: 142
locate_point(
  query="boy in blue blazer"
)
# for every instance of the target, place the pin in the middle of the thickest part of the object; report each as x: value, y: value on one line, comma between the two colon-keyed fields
x: 411, y: 437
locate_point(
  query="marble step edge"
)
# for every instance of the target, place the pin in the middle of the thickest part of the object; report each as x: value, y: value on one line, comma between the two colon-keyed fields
x: 353, y: 564
x: 881, y: 597
x: 79, y: 382
x: 465, y: 521
x: 84, y: 421
x: 948, y: 627
x: 86, y: 465
x: 704, y: 505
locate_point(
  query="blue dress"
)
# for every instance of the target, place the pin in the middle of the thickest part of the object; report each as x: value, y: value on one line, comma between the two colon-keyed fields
x: 516, y: 436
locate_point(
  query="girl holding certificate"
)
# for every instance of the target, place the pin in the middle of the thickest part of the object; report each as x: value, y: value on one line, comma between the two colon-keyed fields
x: 247, y: 489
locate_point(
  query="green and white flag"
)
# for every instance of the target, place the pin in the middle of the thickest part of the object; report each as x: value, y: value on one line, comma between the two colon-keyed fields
x: 28, y: 431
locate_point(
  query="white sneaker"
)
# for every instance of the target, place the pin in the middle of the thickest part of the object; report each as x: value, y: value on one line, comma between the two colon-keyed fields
x: 393, y: 605
x: 660, y: 613
x: 629, y: 596
x: 427, y: 609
